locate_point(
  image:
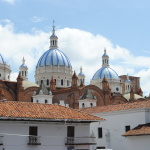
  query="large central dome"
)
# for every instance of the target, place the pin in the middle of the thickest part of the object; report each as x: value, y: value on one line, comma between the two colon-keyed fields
x: 54, y: 64
x: 53, y: 57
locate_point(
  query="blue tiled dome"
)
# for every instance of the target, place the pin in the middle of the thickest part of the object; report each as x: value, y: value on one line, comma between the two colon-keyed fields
x: 81, y: 74
x: 104, y: 54
x: 1, y: 59
x: 53, y: 57
x: 107, y: 72
x: 24, y: 66
x: 128, y: 81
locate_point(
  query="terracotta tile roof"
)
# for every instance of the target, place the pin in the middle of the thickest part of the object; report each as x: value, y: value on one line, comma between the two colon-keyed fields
x: 117, y: 107
x: 143, y: 129
x: 42, y: 111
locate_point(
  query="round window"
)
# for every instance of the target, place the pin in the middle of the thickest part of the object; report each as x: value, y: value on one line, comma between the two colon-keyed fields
x: 117, y: 89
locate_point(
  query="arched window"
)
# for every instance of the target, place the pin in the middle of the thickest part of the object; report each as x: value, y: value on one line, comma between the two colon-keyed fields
x: 37, y: 101
x: 67, y: 82
x: 105, y: 60
x: 62, y: 82
x: 41, y: 81
x: 91, y: 104
x: 128, y: 86
x: 8, y: 76
x: 83, y: 105
x: 22, y: 73
x: 47, y: 82
x: 55, y: 81
x: 25, y: 73
x: 46, y: 101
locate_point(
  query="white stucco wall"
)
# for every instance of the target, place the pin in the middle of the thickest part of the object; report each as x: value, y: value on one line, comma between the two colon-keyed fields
x: 52, y: 135
x: 138, y: 142
x: 114, y: 127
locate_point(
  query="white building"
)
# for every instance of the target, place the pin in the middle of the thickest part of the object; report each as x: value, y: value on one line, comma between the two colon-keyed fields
x: 138, y: 138
x: 30, y: 126
x: 120, y: 118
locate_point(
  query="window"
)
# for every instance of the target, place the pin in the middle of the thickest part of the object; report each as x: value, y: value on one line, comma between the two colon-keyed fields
x: 83, y: 105
x: 117, y: 89
x: 127, y: 128
x: 70, y: 131
x: 22, y: 73
x: 46, y: 101
x: 100, y: 134
x: 33, y: 138
x: 25, y: 73
x: 47, y: 82
x: 102, y: 147
x: 0, y: 74
x: 33, y: 131
x: 41, y: 81
x: 67, y: 82
x: 37, y: 101
x: 31, y: 99
x: 61, y: 81
x: 55, y: 81
x: 91, y: 104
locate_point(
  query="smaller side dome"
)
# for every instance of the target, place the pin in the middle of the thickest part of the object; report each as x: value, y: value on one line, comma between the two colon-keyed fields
x: 128, y: 80
x: 23, y: 63
x: 81, y: 73
x: 108, y: 72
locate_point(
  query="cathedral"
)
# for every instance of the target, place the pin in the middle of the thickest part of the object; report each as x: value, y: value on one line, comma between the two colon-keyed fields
x: 56, y: 83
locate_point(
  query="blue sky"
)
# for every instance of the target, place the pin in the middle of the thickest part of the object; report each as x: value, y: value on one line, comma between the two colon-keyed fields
x: 120, y: 26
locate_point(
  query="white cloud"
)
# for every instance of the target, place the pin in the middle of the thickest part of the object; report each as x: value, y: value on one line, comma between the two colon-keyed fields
x: 82, y: 48
x: 37, y: 19
x: 9, y: 1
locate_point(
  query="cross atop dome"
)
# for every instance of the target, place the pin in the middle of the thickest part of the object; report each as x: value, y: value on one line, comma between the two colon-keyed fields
x: 53, y: 39
x: 53, y: 27
x: 23, y: 61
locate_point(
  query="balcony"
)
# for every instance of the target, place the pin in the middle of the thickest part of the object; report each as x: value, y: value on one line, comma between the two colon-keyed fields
x: 34, y: 140
x: 1, y: 140
x: 80, y: 141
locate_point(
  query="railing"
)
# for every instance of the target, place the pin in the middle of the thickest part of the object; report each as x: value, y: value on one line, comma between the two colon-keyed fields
x: 34, y: 140
x: 80, y: 141
x: 1, y: 140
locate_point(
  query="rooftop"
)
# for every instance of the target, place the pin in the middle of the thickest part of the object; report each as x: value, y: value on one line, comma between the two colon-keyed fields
x: 117, y: 107
x: 143, y: 129
x: 28, y: 110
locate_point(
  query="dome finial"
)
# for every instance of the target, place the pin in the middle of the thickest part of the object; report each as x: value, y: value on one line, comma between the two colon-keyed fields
x: 81, y: 69
x: 105, y: 59
x: 53, y: 38
x: 23, y: 61
x: 53, y: 27
x: 105, y: 50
